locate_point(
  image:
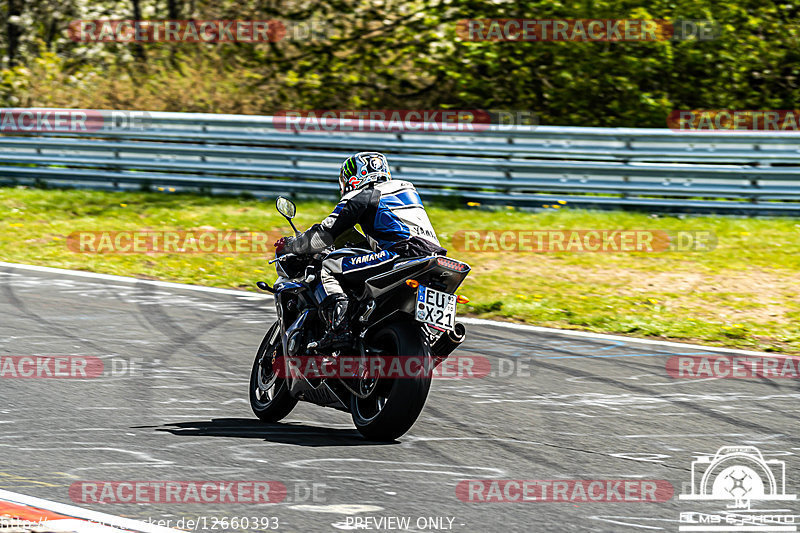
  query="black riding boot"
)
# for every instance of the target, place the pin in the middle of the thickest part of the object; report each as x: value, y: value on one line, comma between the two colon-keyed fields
x: 337, y: 322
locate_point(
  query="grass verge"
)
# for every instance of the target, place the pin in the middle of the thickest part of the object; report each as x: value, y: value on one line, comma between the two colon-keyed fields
x: 742, y: 294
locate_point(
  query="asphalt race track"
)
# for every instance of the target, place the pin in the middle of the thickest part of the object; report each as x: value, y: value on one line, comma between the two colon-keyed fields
x: 571, y: 408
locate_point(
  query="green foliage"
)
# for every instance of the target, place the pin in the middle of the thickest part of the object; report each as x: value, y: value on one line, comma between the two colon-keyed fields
x: 400, y: 54
x: 491, y: 307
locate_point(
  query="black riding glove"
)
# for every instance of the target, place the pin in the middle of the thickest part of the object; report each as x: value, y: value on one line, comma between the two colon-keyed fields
x: 314, y: 239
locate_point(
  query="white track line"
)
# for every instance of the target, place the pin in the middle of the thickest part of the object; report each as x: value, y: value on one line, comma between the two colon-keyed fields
x: 125, y: 279
x: 476, y: 321
x: 604, y: 336
x: 94, y: 520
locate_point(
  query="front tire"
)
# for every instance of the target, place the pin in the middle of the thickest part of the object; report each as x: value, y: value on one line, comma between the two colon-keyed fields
x: 395, y: 404
x: 269, y: 394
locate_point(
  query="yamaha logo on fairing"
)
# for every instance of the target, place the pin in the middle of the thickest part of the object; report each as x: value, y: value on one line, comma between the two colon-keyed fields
x: 367, y: 258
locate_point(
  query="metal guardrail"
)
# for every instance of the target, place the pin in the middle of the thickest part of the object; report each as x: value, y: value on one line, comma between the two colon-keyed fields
x: 655, y: 169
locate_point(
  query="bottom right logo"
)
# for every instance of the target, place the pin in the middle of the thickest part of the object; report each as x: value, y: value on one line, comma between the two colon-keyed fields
x: 739, y: 476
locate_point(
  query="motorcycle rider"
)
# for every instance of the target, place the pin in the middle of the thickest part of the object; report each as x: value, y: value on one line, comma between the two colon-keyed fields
x: 394, y: 221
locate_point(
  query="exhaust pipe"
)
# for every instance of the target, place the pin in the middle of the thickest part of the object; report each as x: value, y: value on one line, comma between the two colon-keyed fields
x: 448, y: 342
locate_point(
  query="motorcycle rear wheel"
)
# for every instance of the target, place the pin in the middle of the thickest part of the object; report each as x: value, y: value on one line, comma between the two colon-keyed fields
x: 395, y: 403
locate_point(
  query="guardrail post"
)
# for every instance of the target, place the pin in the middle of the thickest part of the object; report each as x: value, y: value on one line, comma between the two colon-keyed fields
x: 625, y: 181
x: 754, y: 183
x: 118, y: 168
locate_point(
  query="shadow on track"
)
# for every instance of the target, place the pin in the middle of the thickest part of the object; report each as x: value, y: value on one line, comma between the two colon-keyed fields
x: 284, y: 433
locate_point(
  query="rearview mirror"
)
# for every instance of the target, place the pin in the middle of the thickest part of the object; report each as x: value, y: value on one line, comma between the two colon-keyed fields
x: 285, y: 207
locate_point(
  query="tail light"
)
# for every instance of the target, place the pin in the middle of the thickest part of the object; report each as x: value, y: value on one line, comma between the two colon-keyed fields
x: 458, y: 266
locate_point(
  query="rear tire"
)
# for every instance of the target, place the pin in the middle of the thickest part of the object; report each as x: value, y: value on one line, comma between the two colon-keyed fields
x: 395, y: 404
x: 269, y: 394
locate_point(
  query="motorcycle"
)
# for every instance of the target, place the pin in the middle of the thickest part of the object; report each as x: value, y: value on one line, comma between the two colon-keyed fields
x: 403, y: 324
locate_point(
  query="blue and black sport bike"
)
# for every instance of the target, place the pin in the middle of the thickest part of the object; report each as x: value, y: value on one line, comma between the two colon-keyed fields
x: 407, y: 312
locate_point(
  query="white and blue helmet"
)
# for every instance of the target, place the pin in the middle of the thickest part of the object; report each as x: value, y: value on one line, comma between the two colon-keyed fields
x: 363, y: 168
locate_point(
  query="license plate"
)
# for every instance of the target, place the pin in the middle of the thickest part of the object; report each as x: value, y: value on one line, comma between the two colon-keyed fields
x: 436, y: 308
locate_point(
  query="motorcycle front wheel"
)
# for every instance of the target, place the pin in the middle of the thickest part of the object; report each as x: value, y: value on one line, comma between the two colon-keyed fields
x: 269, y: 394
